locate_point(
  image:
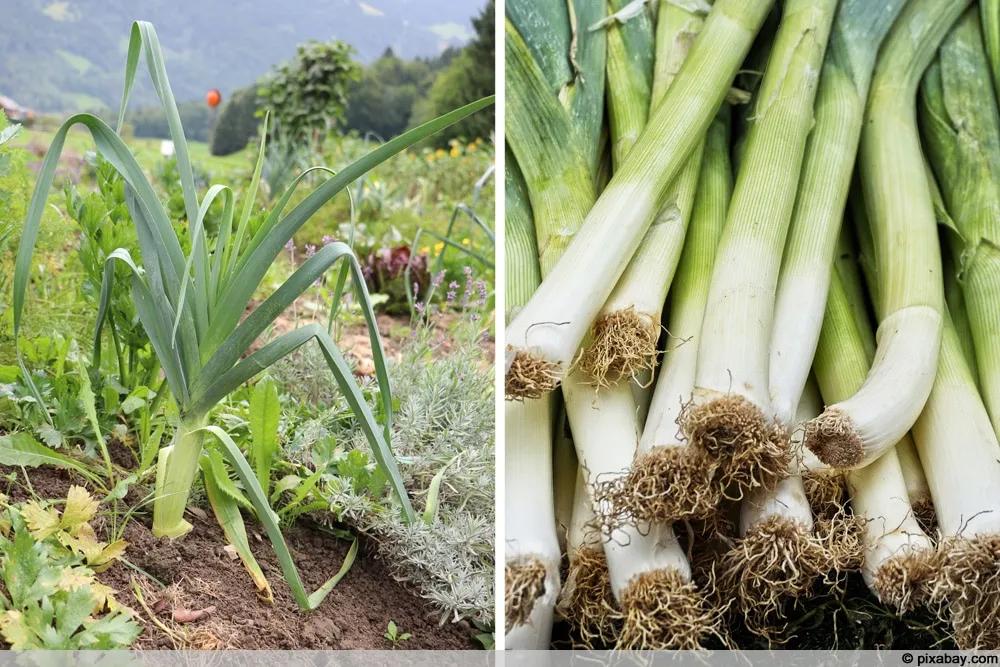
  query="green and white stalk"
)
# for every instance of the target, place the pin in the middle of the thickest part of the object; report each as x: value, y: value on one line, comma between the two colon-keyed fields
x: 898, y: 557
x: 532, y: 553
x: 668, y: 480
x: 630, y: 75
x: 731, y: 416
x: 961, y: 130
x: 624, y: 336
x: 853, y: 432
x: 858, y: 30
x: 544, y: 337
x: 176, y: 469
x: 963, y: 484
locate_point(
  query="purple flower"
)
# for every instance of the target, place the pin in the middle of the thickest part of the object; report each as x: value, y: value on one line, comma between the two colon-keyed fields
x: 481, y: 284
x: 310, y: 250
x: 438, y: 279
x: 290, y: 246
x: 419, y: 307
x: 327, y: 240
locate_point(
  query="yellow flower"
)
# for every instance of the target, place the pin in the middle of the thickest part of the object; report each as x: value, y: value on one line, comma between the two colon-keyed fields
x: 471, y: 148
x: 466, y: 242
x: 440, y: 153
x: 439, y: 246
x: 424, y: 250
x: 455, y: 151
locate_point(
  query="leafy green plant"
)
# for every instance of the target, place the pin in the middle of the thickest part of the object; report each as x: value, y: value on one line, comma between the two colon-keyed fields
x: 395, y: 635
x: 48, y: 559
x: 191, y: 307
x: 308, y: 94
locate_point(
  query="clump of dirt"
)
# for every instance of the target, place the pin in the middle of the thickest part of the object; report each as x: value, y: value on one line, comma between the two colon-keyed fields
x: 197, y: 573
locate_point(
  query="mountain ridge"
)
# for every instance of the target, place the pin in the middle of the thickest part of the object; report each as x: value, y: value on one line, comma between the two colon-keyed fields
x: 68, y: 55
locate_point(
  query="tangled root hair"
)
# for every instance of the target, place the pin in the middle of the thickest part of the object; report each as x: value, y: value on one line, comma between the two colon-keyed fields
x: 623, y: 347
x: 664, y: 611
x: 826, y: 492
x: 776, y: 562
x: 753, y: 451
x: 834, y: 440
x: 905, y: 581
x: 530, y: 377
x: 524, y: 582
x: 664, y: 485
x: 841, y: 537
x: 586, y: 600
x: 967, y: 590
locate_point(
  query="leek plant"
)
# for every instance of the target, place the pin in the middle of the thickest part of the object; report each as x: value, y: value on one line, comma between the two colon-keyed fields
x: 907, y: 258
x: 731, y: 417
x: 899, y: 556
x: 533, y: 556
x: 625, y: 334
x: 858, y: 29
x: 968, y: 515
x: 545, y: 335
x: 961, y: 131
x: 191, y: 307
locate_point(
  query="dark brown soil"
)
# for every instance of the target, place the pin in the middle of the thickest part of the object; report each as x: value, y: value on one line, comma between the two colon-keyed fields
x: 196, y: 572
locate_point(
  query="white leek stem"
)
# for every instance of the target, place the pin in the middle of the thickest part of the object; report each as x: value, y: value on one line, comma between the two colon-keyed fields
x: 910, y: 298
x: 857, y: 32
x: 530, y: 522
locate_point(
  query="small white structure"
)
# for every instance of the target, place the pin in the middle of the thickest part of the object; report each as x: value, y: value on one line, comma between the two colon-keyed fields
x: 167, y: 148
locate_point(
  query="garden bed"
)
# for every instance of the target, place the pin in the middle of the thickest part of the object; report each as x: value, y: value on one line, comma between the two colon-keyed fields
x: 197, y: 573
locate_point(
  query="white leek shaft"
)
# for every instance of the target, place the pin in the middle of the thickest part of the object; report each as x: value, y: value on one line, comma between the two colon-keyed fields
x: 690, y: 291
x: 733, y: 356
x: 606, y: 433
x: 879, y: 497
x: 959, y: 449
x: 530, y: 526
x: 857, y: 32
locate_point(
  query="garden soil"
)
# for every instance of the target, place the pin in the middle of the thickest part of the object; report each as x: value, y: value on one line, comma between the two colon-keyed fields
x: 197, y: 577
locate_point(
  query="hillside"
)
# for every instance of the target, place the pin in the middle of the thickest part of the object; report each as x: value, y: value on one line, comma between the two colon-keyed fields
x: 55, y: 55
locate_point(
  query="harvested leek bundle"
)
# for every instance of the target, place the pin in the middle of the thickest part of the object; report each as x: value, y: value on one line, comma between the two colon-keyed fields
x: 544, y: 337
x: 731, y: 415
x: 910, y: 300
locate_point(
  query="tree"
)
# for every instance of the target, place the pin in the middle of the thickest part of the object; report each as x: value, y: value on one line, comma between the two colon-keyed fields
x: 382, y: 100
x: 237, y: 122
x: 308, y: 94
x: 467, y: 78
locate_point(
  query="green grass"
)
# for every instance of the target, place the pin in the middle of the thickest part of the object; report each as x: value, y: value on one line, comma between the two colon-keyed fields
x: 147, y: 151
